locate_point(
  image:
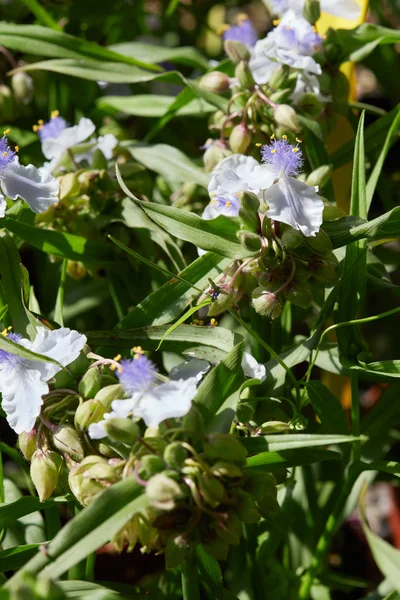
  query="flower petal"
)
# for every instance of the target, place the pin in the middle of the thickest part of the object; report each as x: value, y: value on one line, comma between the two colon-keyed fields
x: 3, y: 206
x: 195, y: 367
x: 252, y: 368
x: 22, y: 390
x: 230, y: 176
x: 260, y: 178
x: 71, y: 136
x: 36, y: 186
x: 168, y: 400
x: 97, y: 431
x: 347, y: 9
x: 295, y: 203
x: 63, y: 345
x: 107, y: 143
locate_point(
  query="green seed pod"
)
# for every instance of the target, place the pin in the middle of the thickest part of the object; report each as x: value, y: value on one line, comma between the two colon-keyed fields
x: 27, y: 443
x: 67, y: 441
x: 163, y: 492
x: 244, y: 75
x: 312, y: 10
x: 225, y: 447
x: 240, y: 139
x: 215, y: 82
x: 150, y: 465
x: 211, y: 489
x: 90, y: 383
x: 274, y: 427
x: 310, y: 104
x: 91, y: 411
x: 89, y: 478
x: 285, y: 116
x: 267, y: 303
x: 249, y: 201
x: 45, y: 470
x: 224, y: 300
x: 249, y: 240
x: 292, y: 238
x: 245, y: 507
x: 320, y: 176
x: 175, y: 455
x: 320, y: 243
x: 122, y: 430
x: 223, y: 468
x: 236, y: 51
x: 249, y: 220
x: 108, y: 394
x: 299, y: 294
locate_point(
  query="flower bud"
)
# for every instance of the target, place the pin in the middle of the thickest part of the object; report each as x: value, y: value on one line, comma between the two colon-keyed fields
x: 310, y: 104
x: 223, y: 468
x: 279, y: 78
x: 76, y: 270
x: 292, y: 238
x: 90, y: 383
x: 274, y: 427
x: 108, y: 394
x: 91, y: 411
x: 163, y: 492
x: 249, y: 220
x: 175, y: 455
x: 81, y: 364
x: 281, y: 97
x: 66, y: 440
x: 244, y: 75
x: 22, y: 87
x: 249, y: 240
x: 27, y: 443
x: 324, y: 272
x: 69, y: 186
x: 122, y: 430
x: 320, y: 176
x: 245, y: 507
x: 320, y: 243
x: 269, y: 504
x: 224, y: 446
x: 312, y: 11
x: 225, y: 299
x: 285, y: 116
x: 150, y: 465
x: 236, y: 51
x: 299, y: 294
x: 89, y: 478
x: 45, y: 470
x: 214, y: 155
x: 215, y: 82
x: 240, y: 139
x: 267, y: 303
x: 211, y: 489
x: 249, y: 201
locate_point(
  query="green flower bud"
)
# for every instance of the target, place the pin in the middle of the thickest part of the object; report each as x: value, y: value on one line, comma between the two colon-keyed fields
x: 150, y: 465
x: 63, y: 379
x: 175, y: 455
x: 163, y: 492
x: 215, y: 82
x: 281, y: 97
x: 223, y: 468
x: 320, y: 243
x: 90, y: 383
x: 267, y: 303
x: 76, y: 270
x: 249, y: 201
x: 245, y: 507
x: 22, y: 87
x: 45, y: 470
x: 249, y: 220
x: 258, y: 483
x: 27, y: 443
x: 176, y: 551
x: 214, y: 155
x: 320, y: 176
x: 298, y: 294
x: 224, y: 446
x: 292, y: 238
x: 244, y: 75
x: 279, y: 78
x: 312, y: 11
x: 90, y: 477
x: 211, y: 489
x: 236, y: 51
x: 122, y: 430
x: 285, y: 116
x: 240, y: 139
x: 274, y: 427
x: 310, y: 104
x: 66, y: 440
x: 230, y: 531
x: 108, y: 394
x: 69, y: 186
x: 331, y: 213
x: 249, y: 240
x: 226, y: 298
x: 91, y: 411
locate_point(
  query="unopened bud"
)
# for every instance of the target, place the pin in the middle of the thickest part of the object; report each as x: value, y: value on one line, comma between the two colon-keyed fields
x: 249, y: 240
x: 274, y: 427
x: 285, y: 116
x: 89, y: 478
x: 298, y: 294
x: 45, y: 470
x: 244, y: 75
x: 319, y: 243
x: 279, y: 78
x: 240, y: 139
x: 66, y: 440
x: 324, y: 273
x: 225, y: 299
x: 214, y: 155
x: 312, y: 11
x: 320, y: 176
x: 22, y: 87
x: 249, y: 220
x: 249, y: 201
x: 91, y: 411
x: 292, y: 238
x: 150, y: 465
x: 215, y: 82
x: 122, y: 430
x: 27, y: 443
x: 163, y: 492
x: 267, y: 303
x: 310, y: 104
x: 69, y: 186
x: 236, y: 51
x: 175, y: 455
x: 76, y: 270
x: 211, y: 489
x: 90, y: 383
x: 223, y: 468
x: 225, y: 447
x: 108, y: 394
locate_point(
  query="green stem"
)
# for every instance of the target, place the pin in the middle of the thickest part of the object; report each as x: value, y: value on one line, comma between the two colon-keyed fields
x: 41, y: 14
x: 355, y: 415
x: 190, y: 579
x: 325, y: 540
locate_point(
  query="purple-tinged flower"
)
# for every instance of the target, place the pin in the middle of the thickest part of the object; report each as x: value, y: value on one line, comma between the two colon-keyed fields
x: 6, y: 357
x: 137, y: 374
x: 243, y: 32
x: 7, y: 155
x: 347, y: 9
x: 283, y: 158
x: 52, y: 129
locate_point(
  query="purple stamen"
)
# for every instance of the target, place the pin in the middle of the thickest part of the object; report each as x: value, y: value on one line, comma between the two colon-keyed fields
x: 7, y: 155
x: 137, y: 374
x: 52, y: 129
x: 284, y: 159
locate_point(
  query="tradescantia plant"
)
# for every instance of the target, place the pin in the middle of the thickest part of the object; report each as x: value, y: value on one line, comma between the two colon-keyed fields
x: 192, y: 259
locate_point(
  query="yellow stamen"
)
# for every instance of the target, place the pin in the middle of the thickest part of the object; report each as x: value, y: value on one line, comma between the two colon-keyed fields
x: 5, y: 154
x: 273, y: 151
x: 35, y: 128
x: 7, y: 131
x: 16, y: 148
x: 138, y: 350
x: 213, y: 201
x: 9, y: 328
x: 276, y: 22
x: 241, y: 17
x: 222, y: 29
x: 228, y: 203
x: 258, y: 145
x: 4, y: 332
x: 272, y: 137
x: 120, y: 369
x: 295, y: 149
x: 117, y: 358
x: 113, y: 367
x: 284, y: 137
x: 41, y: 122
x: 54, y: 113
x: 287, y: 28
x: 214, y: 323
x: 299, y: 141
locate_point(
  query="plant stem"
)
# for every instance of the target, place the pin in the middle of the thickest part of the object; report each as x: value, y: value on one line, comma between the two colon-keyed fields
x: 355, y: 415
x: 190, y: 579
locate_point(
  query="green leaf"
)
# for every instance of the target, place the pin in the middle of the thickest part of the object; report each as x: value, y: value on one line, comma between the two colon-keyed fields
x: 328, y: 408
x: 210, y: 570
x: 356, y: 44
x: 41, y: 41
x: 381, y: 370
x: 41, y: 14
x: 169, y: 162
x: 183, y: 318
x: 9, y: 513
x: 14, y: 348
x: 149, y: 105
x: 12, y: 283
x: 294, y: 441
x: 350, y: 229
x: 150, y: 53
x: 285, y: 459
x: 15, y: 558
x: 63, y: 245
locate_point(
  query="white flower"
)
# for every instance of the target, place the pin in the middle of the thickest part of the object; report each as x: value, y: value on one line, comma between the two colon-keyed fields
x: 347, y: 9
x: 194, y: 367
x: 56, y: 142
x: 36, y: 186
x: 306, y: 83
x: 252, y: 368
x: 23, y: 381
x: 105, y: 143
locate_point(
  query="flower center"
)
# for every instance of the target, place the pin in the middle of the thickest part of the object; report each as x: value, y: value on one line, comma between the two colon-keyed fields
x: 7, y: 358
x: 137, y: 374
x: 283, y: 159
x: 7, y: 156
